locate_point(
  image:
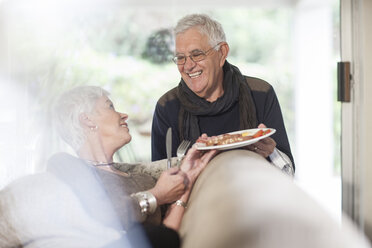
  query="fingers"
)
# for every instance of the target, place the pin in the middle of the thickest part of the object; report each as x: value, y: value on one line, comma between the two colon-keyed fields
x: 173, y: 170
x: 192, y: 150
x: 252, y: 148
x: 204, y: 135
x: 268, y: 141
x: 191, y: 157
x: 180, y: 179
x: 208, y: 156
x: 263, y: 147
x: 196, y: 158
x: 195, y: 162
x: 195, y: 152
x: 170, y: 186
x: 173, y: 177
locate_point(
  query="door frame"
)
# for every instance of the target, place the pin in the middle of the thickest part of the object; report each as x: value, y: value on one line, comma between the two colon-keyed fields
x: 351, y: 119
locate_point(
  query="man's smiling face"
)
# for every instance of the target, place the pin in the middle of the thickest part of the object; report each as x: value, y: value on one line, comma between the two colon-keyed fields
x: 205, y: 77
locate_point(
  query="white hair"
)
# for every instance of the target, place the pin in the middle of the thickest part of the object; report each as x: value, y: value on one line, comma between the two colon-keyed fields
x: 205, y: 24
x: 68, y: 109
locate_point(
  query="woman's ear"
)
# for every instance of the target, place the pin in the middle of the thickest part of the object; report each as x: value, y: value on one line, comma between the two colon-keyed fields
x: 224, y: 49
x: 86, y: 122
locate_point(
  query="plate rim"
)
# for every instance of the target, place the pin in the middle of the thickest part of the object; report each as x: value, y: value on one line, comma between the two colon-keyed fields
x: 238, y: 144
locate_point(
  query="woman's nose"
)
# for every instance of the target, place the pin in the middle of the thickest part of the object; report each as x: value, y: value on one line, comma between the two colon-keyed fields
x: 123, y: 116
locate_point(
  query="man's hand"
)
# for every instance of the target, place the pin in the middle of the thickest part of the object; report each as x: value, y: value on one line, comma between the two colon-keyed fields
x: 263, y: 147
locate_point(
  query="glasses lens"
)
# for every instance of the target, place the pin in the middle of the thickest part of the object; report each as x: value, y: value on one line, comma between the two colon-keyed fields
x: 179, y: 60
x: 199, y: 56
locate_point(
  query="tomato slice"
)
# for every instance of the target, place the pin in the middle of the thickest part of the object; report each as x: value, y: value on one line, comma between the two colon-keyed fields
x: 266, y: 131
x: 258, y: 133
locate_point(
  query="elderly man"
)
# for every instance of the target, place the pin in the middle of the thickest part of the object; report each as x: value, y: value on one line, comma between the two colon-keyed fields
x: 213, y: 97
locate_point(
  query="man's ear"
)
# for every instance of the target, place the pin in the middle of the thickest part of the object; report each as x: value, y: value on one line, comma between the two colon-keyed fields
x: 85, y: 121
x: 224, y: 49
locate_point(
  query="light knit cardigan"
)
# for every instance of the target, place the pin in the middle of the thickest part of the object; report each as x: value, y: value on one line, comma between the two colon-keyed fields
x: 42, y: 211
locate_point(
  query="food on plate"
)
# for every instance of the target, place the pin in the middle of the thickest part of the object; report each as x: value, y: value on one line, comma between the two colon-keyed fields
x: 225, y: 139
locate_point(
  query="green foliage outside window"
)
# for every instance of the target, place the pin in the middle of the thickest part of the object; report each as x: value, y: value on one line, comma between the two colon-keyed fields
x: 128, y: 51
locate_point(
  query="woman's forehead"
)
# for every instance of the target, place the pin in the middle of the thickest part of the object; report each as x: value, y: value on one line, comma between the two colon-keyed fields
x: 103, y: 100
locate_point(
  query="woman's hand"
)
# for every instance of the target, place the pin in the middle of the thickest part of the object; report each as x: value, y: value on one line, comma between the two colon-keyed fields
x: 194, y: 163
x: 263, y: 147
x: 170, y: 186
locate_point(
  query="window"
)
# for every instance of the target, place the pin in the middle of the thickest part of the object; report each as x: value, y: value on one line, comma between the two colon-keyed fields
x: 127, y: 49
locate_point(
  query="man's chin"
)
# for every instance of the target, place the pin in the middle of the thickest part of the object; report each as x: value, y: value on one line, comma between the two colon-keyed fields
x: 197, y: 91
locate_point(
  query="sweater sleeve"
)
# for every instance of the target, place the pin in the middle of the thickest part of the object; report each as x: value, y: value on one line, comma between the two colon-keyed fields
x: 158, y: 132
x: 269, y: 112
x: 165, y: 116
x: 273, y: 118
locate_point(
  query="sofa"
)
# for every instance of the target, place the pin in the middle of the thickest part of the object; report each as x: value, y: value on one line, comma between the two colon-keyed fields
x: 242, y: 200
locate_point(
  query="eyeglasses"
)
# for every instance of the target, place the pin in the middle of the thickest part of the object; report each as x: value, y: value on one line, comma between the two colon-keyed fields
x: 195, y: 56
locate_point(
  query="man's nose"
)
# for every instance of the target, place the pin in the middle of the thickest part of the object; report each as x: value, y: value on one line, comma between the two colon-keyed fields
x: 189, y: 64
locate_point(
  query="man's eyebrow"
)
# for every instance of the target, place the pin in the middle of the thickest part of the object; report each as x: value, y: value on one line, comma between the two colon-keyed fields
x: 196, y: 50
x: 192, y: 51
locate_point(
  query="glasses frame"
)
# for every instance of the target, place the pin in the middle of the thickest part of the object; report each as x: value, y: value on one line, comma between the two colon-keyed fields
x: 205, y: 54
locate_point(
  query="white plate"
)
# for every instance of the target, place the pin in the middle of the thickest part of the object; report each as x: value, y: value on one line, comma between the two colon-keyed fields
x: 242, y: 143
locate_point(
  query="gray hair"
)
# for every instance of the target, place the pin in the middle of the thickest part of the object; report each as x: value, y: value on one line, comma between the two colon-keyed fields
x: 68, y: 109
x: 205, y: 24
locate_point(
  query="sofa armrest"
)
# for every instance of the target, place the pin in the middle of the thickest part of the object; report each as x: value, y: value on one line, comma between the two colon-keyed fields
x: 241, y: 200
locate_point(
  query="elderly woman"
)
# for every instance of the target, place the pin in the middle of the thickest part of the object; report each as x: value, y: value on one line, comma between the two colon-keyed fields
x: 88, y: 121
x: 105, y: 195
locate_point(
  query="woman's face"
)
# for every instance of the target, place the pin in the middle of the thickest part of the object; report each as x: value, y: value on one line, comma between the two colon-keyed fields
x: 112, y: 126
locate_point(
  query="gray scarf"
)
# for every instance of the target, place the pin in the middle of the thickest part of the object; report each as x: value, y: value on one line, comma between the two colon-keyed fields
x: 235, y: 89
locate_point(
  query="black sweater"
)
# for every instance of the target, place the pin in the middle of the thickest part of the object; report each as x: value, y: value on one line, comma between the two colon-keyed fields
x: 267, y: 109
